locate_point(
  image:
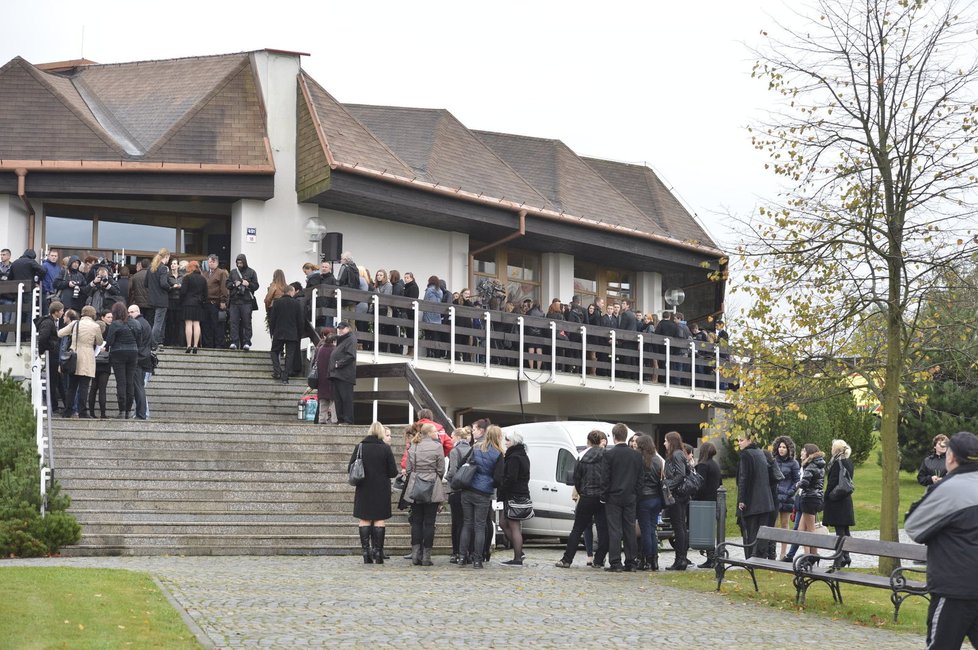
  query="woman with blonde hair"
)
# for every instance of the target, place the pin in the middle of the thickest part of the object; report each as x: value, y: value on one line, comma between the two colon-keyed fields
x: 839, y: 511
x: 159, y: 282
x: 372, y: 500
x: 425, y: 466
x: 812, y: 476
x: 477, y: 498
x: 516, y: 483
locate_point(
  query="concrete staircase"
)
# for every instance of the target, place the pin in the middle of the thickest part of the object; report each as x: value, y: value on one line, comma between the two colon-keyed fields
x: 222, y: 468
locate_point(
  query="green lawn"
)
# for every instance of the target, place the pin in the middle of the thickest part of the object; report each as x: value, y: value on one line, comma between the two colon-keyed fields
x: 868, y: 479
x: 862, y: 605
x: 57, y: 607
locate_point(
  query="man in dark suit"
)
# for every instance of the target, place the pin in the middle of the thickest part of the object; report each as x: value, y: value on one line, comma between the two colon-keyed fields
x: 343, y: 371
x: 625, y: 471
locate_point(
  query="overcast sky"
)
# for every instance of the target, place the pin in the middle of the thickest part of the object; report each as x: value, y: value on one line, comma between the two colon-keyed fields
x: 662, y: 83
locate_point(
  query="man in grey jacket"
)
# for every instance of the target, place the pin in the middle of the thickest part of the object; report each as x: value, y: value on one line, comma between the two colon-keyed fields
x: 946, y: 520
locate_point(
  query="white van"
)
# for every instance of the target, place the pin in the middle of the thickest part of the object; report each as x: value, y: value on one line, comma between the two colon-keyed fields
x: 553, y: 449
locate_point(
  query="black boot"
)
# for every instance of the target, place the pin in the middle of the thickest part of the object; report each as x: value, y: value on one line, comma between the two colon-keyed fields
x: 365, y: 544
x: 416, y: 554
x: 379, y: 533
x: 426, y: 557
x: 654, y: 564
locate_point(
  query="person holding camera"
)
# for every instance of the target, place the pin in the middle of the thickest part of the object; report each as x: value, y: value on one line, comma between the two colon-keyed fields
x: 102, y: 292
x: 242, y: 284
x: 70, y: 284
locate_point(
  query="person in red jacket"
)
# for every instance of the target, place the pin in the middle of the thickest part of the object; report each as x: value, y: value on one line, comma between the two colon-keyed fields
x: 424, y: 417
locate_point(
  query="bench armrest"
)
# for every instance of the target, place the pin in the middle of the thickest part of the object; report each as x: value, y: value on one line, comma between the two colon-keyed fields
x: 805, y: 562
x: 898, y: 581
x: 721, y: 550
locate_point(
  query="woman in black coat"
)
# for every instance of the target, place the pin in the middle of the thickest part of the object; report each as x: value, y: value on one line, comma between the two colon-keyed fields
x: 193, y: 297
x: 372, y: 501
x: 324, y: 387
x: 516, y: 483
x: 839, y: 511
x: 708, y: 468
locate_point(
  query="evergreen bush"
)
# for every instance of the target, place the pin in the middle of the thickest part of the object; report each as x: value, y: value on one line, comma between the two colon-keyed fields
x: 23, y: 533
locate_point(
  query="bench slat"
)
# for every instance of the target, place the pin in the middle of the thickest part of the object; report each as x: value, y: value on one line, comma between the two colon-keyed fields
x: 886, y: 549
x: 802, y: 538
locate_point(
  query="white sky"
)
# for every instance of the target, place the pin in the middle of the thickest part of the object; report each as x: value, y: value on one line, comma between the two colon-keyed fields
x: 663, y: 83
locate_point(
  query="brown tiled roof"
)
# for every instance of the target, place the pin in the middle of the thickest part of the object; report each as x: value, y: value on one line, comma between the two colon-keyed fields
x: 203, y: 110
x: 566, y: 181
x: 348, y: 140
x: 646, y: 190
x: 31, y: 103
x: 442, y: 150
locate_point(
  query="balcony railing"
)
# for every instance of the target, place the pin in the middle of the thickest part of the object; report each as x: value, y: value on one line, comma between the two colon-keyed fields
x: 473, y: 336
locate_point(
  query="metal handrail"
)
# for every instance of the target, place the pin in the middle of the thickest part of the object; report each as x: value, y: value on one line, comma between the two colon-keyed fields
x: 42, y: 434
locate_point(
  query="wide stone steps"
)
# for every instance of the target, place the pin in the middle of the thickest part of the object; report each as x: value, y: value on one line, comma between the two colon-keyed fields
x: 214, y: 485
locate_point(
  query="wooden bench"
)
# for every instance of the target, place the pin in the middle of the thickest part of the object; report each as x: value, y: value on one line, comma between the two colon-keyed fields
x: 901, y: 587
x: 799, y: 567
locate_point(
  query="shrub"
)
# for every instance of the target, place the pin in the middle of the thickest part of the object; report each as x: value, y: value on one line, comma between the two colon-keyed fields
x: 23, y: 533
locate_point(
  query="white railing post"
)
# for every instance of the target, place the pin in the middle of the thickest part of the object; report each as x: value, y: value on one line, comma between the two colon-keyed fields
x: 614, y: 347
x: 451, y: 338
x: 410, y: 403
x: 37, y: 390
x: 519, y: 365
x: 417, y: 332
x: 375, y: 300
x: 641, y: 361
x: 668, y: 363
x: 339, y: 306
x: 315, y: 297
x: 376, y: 388
x: 485, y: 317
x: 583, y: 355
x: 692, y: 368
x: 716, y: 352
x: 18, y: 315
x: 553, y: 351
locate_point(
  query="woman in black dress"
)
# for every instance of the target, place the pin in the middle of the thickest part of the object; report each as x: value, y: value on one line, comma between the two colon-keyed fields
x: 193, y: 297
x: 708, y: 468
x: 516, y: 483
x: 838, y: 507
x: 372, y: 501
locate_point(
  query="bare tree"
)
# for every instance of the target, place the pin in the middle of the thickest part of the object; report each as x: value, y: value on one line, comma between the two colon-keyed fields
x: 875, y: 140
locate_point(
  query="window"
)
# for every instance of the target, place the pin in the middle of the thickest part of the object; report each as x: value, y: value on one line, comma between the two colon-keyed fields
x: 619, y: 284
x: 64, y: 232
x: 586, y: 282
x: 121, y: 232
x: 522, y: 276
x: 565, y: 466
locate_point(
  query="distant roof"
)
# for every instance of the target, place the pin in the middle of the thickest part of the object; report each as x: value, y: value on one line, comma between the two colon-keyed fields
x: 646, y: 190
x: 196, y: 111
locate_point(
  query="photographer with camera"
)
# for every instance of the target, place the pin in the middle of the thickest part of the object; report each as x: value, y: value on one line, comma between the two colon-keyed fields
x: 102, y: 292
x: 70, y: 284
x: 242, y: 283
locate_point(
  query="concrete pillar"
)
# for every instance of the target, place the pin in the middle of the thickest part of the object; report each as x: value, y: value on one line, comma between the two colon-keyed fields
x: 648, y: 292
x: 557, y: 281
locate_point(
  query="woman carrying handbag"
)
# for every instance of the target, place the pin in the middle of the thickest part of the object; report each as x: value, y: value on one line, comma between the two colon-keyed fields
x: 838, y: 510
x: 372, y: 500
x: 515, y: 487
x: 424, y: 491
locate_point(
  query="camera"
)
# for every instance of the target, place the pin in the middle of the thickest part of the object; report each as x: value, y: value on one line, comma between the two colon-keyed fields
x: 76, y: 292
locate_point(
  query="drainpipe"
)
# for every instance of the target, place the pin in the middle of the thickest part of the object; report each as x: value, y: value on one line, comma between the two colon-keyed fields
x: 22, y: 193
x: 510, y: 237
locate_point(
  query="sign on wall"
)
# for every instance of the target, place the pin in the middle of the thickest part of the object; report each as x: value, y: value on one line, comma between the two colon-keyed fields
x: 252, y: 235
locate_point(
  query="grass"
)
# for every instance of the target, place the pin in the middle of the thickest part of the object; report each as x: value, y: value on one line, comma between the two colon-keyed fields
x: 868, y: 479
x: 862, y: 605
x: 57, y: 607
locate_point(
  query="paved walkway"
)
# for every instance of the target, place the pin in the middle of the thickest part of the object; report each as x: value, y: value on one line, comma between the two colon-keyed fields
x: 337, y: 602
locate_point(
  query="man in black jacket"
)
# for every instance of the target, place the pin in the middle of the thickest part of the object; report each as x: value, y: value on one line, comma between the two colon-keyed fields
x: 144, y: 361
x: 49, y: 343
x: 343, y: 372
x: 625, y: 471
x: 242, y: 284
x: 754, y: 500
x: 591, y: 483
x: 285, y: 323
x: 946, y: 520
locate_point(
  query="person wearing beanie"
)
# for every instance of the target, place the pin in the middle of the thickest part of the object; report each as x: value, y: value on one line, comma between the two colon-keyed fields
x: 946, y: 520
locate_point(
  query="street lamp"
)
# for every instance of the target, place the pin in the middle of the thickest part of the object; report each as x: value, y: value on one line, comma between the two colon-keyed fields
x: 315, y: 229
x: 674, y: 298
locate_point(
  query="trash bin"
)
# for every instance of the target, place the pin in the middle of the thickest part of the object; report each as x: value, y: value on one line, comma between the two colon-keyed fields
x: 702, y: 525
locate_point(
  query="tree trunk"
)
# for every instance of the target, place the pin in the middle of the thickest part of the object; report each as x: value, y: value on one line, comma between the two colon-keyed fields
x: 890, y: 498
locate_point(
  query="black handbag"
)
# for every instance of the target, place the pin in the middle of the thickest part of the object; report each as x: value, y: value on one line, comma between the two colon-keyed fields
x: 312, y: 379
x: 519, y: 508
x: 463, y: 476
x: 845, y: 486
x: 68, y: 357
x: 356, y: 468
x: 422, y: 490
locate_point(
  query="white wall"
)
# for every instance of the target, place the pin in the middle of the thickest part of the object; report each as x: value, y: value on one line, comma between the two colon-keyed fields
x: 381, y: 244
x: 557, y: 270
x: 13, y: 224
x: 648, y: 292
